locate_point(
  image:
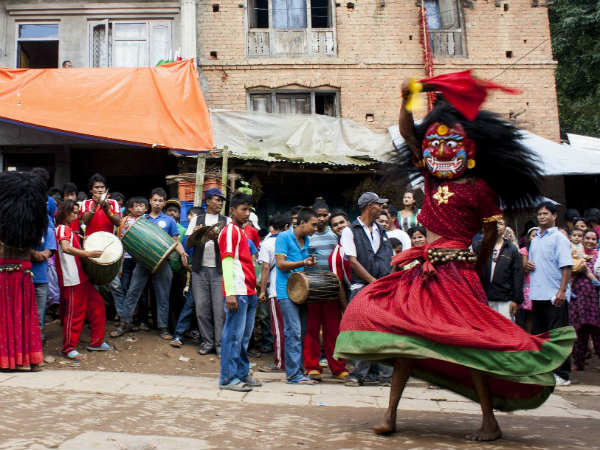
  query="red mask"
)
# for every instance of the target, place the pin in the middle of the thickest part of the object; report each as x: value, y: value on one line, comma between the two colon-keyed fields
x: 447, y: 151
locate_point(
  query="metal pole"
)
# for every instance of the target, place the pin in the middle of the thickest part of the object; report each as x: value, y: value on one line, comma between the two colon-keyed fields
x: 200, y: 167
x: 224, y: 176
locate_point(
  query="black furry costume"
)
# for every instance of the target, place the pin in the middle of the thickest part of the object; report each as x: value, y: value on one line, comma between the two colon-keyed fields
x: 510, y: 168
x: 23, y: 209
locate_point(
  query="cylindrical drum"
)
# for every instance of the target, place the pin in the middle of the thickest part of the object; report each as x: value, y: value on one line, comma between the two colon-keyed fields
x: 148, y: 244
x: 104, y: 269
x: 313, y: 286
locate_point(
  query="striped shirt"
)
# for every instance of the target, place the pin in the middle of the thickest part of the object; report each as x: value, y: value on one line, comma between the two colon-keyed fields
x: 234, y: 243
x: 321, y: 246
x: 340, y: 266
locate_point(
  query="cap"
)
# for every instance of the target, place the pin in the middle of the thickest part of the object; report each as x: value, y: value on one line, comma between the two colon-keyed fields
x: 171, y: 202
x: 212, y: 192
x: 367, y: 198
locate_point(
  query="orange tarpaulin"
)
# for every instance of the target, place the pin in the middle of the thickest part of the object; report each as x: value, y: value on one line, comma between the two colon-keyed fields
x: 159, y: 106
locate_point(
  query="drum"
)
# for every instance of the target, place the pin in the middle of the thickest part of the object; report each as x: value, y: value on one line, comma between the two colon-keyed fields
x: 175, y: 262
x: 313, y: 286
x: 148, y: 244
x: 104, y: 269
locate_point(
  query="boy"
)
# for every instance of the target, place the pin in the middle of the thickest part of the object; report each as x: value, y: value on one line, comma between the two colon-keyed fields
x: 239, y: 280
x: 161, y: 279
x: 325, y: 315
x: 268, y: 290
x: 291, y: 255
x: 81, y: 300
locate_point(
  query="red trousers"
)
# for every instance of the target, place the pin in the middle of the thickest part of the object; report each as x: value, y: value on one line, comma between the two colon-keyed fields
x: 327, y: 315
x: 277, y: 330
x: 82, y: 302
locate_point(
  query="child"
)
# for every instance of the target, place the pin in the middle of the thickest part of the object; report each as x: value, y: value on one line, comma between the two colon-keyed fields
x: 136, y: 207
x: 396, y: 245
x: 239, y: 280
x: 81, y: 300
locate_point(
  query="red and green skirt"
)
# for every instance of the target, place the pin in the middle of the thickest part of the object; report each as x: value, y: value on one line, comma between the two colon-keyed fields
x: 443, y: 322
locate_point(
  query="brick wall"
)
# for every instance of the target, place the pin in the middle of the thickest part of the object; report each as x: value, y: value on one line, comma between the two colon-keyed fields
x: 377, y: 47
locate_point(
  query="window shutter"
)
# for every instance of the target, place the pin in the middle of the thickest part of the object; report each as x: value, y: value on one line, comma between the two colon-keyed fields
x: 160, y: 41
x: 449, y: 14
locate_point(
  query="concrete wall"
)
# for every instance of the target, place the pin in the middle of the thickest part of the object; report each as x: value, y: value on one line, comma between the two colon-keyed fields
x: 377, y: 47
x: 73, y: 17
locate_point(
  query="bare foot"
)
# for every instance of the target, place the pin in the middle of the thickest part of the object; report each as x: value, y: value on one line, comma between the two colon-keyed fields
x: 388, y: 426
x: 485, y: 433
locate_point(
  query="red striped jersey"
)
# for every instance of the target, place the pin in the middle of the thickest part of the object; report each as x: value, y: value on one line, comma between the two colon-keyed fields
x: 339, y: 265
x: 234, y: 243
x: 100, y: 221
x: 70, y: 272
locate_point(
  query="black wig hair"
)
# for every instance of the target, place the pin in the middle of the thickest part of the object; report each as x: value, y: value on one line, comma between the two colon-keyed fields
x: 23, y: 210
x: 510, y: 168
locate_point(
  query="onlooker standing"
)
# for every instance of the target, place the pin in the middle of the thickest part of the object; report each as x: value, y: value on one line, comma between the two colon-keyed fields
x: 161, y: 279
x: 39, y: 267
x: 524, y: 318
x: 393, y: 232
x: 584, y: 311
x: 369, y: 251
x: 322, y: 315
x: 239, y: 281
x: 502, y: 277
x: 291, y: 255
x: 207, y: 273
x: 407, y: 216
x: 69, y: 192
x: 550, y: 264
x: 268, y: 290
x: 570, y: 216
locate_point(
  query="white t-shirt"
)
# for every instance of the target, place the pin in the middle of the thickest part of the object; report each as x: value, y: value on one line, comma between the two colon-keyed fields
x: 209, y: 257
x: 267, y: 255
x: 402, y: 236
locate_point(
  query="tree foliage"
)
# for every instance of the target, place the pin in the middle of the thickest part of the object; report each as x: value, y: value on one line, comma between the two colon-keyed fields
x: 575, y: 30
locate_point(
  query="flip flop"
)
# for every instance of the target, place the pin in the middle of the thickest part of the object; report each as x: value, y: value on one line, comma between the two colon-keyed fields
x: 237, y: 386
x: 303, y: 380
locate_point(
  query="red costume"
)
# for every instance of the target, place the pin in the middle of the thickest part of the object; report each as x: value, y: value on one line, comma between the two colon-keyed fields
x: 436, y: 312
x: 80, y: 300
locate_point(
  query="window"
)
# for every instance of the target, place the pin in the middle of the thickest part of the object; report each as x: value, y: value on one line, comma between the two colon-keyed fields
x: 37, y: 45
x: 444, y: 22
x: 295, y: 102
x: 129, y: 43
x: 290, y: 28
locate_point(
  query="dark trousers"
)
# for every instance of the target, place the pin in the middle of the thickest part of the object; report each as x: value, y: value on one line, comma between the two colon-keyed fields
x: 547, y: 317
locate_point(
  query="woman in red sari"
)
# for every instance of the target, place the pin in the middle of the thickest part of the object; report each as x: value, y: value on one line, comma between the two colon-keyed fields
x: 23, y: 221
x: 432, y: 321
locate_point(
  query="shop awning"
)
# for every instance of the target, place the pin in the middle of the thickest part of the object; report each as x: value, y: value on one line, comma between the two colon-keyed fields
x: 298, y: 138
x: 160, y: 107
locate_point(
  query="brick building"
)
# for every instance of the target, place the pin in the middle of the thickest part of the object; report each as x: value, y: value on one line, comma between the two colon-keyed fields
x: 348, y: 59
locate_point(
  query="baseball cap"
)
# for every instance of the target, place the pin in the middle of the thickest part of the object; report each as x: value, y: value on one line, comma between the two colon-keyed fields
x: 212, y: 192
x: 370, y: 197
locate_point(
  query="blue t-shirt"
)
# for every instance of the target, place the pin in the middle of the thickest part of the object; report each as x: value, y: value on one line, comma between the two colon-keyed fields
x: 167, y: 223
x: 40, y: 269
x: 550, y: 252
x: 321, y: 246
x: 287, y: 245
x: 51, y: 210
x: 253, y: 249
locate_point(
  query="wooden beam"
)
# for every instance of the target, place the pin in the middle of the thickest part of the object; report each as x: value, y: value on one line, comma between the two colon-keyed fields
x: 224, y: 176
x: 200, y: 167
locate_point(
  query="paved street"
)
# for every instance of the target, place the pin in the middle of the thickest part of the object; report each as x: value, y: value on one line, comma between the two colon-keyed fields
x: 72, y: 409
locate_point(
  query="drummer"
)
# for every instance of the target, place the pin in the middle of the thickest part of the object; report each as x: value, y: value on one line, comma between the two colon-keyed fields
x: 322, y: 315
x: 81, y: 301
x: 101, y: 213
x: 161, y: 279
x: 291, y: 255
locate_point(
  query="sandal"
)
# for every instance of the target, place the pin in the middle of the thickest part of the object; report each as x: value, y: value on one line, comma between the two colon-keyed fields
x: 315, y: 375
x: 74, y: 354
x: 303, y: 380
x: 205, y: 349
x: 253, y: 382
x: 236, y: 385
x: 120, y: 330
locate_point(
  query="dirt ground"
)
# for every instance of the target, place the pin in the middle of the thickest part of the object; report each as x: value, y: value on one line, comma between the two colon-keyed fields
x: 146, y: 352
x: 142, y: 351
